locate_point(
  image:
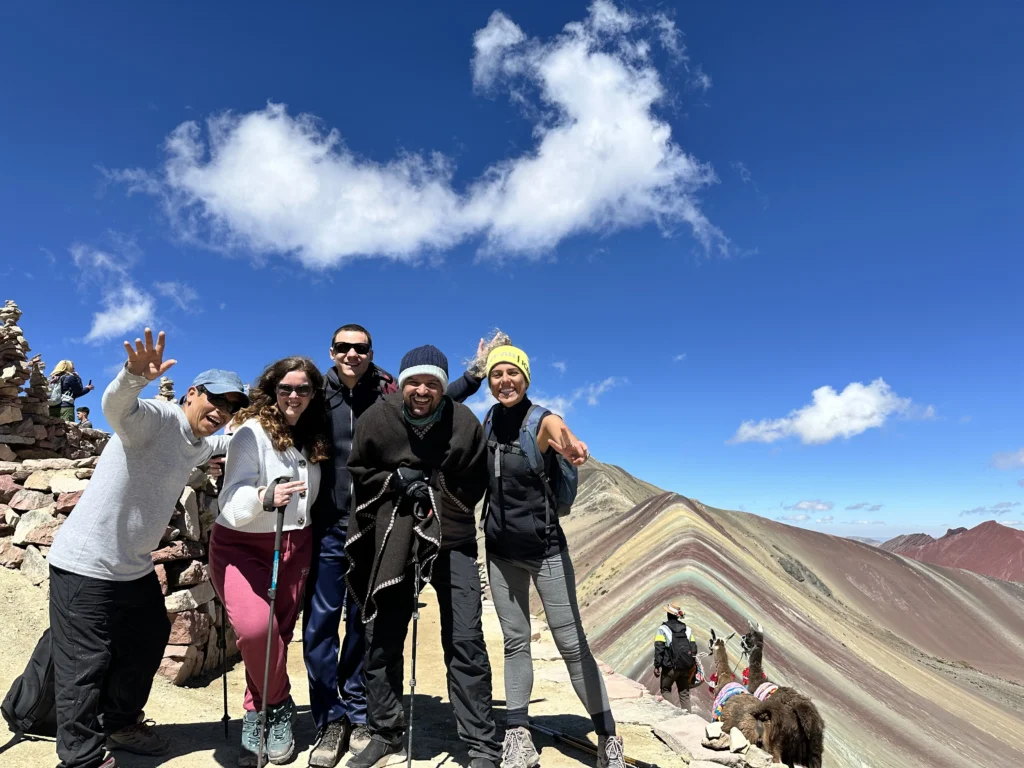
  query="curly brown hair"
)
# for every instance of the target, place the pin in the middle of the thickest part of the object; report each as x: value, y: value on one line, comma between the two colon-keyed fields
x: 311, y: 429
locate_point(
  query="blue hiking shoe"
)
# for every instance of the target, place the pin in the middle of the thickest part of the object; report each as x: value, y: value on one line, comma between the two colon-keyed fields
x: 250, y: 739
x: 280, y: 739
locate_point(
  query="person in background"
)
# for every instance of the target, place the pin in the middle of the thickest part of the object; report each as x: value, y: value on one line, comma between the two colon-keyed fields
x: 66, y: 387
x: 107, y: 618
x: 337, y: 681
x: 418, y: 467
x: 280, y: 434
x: 675, y: 656
x: 83, y: 417
x: 525, y: 544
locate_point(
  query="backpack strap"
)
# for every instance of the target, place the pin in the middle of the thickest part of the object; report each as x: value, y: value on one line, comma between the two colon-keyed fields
x: 528, y: 444
x: 667, y: 634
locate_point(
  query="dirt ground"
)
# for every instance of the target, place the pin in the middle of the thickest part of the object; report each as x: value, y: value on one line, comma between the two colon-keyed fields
x: 191, y: 717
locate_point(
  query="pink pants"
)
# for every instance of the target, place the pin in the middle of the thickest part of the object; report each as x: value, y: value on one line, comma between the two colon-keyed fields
x: 240, y: 566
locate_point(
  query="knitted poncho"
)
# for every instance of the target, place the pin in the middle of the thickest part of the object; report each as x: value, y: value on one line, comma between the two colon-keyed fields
x: 452, y: 453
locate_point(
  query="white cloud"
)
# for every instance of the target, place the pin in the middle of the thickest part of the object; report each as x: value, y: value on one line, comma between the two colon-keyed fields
x: 560, y: 404
x: 865, y: 522
x: 1008, y: 460
x: 679, y: 358
x: 560, y: 366
x: 126, y: 309
x: 865, y: 505
x: 602, y: 160
x: 181, y: 294
x: 831, y: 414
x: 1010, y: 522
x: 811, y: 505
x: 593, y: 391
x: 826, y: 519
x: 796, y: 518
x: 97, y: 264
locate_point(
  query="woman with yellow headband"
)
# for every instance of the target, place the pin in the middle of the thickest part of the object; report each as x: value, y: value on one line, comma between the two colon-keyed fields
x: 525, y: 543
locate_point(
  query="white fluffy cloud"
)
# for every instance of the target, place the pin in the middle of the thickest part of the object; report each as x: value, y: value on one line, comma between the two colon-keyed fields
x: 811, y: 505
x: 127, y: 309
x: 826, y: 519
x: 1009, y: 460
x: 865, y: 522
x: 560, y: 366
x: 182, y: 294
x: 602, y: 160
x: 832, y: 414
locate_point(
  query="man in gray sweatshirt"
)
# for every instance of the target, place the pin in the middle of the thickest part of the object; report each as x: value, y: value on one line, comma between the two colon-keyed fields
x: 107, y: 618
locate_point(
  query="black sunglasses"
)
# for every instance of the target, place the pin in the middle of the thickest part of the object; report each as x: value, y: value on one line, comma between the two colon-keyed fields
x: 220, y: 402
x: 342, y: 347
x: 302, y: 390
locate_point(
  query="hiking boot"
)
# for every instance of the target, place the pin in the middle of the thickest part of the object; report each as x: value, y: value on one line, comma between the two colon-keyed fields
x: 359, y: 739
x: 331, y: 744
x: 110, y: 762
x: 250, y: 739
x: 377, y: 754
x: 280, y: 740
x: 610, y: 753
x: 518, y: 750
x: 139, y: 739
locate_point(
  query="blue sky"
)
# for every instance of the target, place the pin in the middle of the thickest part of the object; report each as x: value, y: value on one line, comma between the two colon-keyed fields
x: 693, y: 217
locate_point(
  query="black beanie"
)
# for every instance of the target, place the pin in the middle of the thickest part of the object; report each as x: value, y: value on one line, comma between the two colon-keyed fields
x: 427, y: 360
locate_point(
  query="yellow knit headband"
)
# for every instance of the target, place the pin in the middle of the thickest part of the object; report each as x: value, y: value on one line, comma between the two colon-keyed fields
x: 509, y: 354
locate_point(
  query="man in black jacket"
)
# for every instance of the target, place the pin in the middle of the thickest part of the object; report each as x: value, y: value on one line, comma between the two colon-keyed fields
x: 675, y: 656
x: 419, y: 468
x: 337, y: 682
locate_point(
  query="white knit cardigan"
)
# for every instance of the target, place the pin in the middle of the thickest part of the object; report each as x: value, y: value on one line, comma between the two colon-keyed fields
x: 252, y: 464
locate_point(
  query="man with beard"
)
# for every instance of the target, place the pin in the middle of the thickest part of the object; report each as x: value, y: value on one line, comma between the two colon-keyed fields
x: 419, y: 467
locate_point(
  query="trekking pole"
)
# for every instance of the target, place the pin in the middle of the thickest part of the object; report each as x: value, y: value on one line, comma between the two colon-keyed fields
x: 585, y: 745
x: 222, y: 644
x: 268, y: 506
x: 415, y: 626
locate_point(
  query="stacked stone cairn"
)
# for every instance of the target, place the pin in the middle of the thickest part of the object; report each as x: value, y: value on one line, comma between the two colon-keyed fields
x: 37, y: 494
x: 26, y: 429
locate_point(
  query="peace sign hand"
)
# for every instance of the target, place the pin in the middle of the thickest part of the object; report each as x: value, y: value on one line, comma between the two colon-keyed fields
x: 574, y: 450
x: 148, y: 359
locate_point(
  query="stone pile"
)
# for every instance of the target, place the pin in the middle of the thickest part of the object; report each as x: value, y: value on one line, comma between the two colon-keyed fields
x: 38, y: 495
x: 26, y: 429
x: 166, y: 391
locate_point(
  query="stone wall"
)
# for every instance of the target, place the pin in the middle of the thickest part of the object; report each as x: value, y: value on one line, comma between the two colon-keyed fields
x: 44, y: 469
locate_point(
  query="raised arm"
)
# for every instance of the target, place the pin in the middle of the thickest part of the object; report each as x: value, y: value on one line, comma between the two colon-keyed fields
x: 135, y: 421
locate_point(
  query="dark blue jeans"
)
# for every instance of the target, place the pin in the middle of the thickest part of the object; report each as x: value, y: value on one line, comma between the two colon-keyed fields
x: 337, y: 681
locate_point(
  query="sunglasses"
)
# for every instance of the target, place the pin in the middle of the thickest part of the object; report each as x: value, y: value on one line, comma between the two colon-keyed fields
x: 342, y: 347
x: 220, y: 402
x: 302, y: 390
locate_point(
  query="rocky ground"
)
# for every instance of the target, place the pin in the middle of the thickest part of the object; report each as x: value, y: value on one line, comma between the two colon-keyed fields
x: 191, y: 716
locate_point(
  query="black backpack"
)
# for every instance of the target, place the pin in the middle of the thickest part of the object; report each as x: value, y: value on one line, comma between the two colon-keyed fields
x: 682, y: 649
x: 30, y: 705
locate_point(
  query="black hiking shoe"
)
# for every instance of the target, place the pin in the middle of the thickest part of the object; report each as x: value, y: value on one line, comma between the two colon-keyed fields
x: 331, y: 744
x: 378, y: 754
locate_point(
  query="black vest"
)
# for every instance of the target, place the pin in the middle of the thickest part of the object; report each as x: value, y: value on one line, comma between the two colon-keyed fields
x: 519, y: 524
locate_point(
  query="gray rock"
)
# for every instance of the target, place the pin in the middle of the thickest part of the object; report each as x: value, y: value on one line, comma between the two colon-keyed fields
x: 737, y: 741
x: 713, y: 730
x: 188, y: 599
x: 756, y: 757
x: 34, y: 566
x: 23, y: 500
x: 190, y: 514
x: 38, y: 526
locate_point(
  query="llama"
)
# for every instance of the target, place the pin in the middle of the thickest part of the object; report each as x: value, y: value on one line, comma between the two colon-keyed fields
x: 733, y: 704
x: 793, y: 731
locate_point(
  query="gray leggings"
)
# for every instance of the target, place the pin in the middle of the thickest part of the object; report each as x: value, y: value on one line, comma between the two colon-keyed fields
x: 556, y: 584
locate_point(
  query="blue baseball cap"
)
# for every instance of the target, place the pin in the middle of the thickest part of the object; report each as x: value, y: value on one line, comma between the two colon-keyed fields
x: 220, y: 382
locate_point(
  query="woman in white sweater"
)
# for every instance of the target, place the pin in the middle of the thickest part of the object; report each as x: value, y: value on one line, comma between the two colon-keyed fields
x: 280, y: 434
